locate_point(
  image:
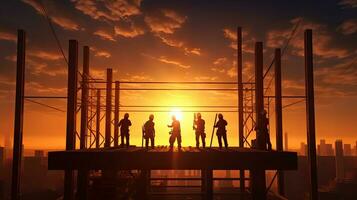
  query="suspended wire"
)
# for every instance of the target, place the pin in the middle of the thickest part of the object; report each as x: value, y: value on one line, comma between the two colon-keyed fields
x: 45, y: 105
x: 292, y: 34
x: 53, y: 30
x: 285, y: 46
x: 294, y: 103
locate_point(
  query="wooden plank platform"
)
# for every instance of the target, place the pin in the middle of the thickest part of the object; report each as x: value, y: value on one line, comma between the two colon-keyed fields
x: 162, y: 157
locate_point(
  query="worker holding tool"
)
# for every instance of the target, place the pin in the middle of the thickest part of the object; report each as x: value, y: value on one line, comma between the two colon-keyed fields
x: 124, y: 125
x: 175, y: 132
x: 149, y: 132
x: 221, y: 131
x: 199, y: 127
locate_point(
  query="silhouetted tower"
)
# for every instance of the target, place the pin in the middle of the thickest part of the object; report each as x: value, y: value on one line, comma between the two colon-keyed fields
x: 240, y: 103
x: 19, y: 111
x: 258, y: 176
x: 71, y: 114
x: 310, y: 113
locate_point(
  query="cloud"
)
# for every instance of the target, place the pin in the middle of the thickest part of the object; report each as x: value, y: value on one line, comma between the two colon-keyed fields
x: 224, y: 66
x: 44, y: 55
x: 247, y: 43
x: 56, y: 17
x: 8, y: 36
x: 130, y: 30
x: 66, y: 23
x: 348, y: 27
x: 343, y: 73
x: 40, y: 68
x: 322, y: 40
x: 348, y: 3
x: 206, y: 78
x: 108, y: 10
x: 105, y: 35
x: 36, y: 87
x: 164, y: 21
x: 164, y: 59
x: 101, y: 53
x: 173, y: 62
x: 172, y: 42
x: 220, y: 61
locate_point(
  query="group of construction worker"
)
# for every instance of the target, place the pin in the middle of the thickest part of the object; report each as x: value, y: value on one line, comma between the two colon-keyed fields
x: 148, y: 131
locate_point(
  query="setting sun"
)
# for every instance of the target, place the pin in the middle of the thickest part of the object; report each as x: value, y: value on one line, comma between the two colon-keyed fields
x: 177, y: 113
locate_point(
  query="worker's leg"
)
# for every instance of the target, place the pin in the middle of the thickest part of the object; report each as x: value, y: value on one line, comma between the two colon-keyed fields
x: 268, y: 141
x: 152, y: 138
x: 225, y: 140
x: 197, y: 140
x: 219, y: 140
x: 172, y: 141
x: 179, y: 141
x: 203, y: 138
x: 127, y: 140
x: 146, y: 142
x: 122, y: 138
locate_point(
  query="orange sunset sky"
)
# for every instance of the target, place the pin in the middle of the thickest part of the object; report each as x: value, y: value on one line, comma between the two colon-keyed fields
x: 147, y: 40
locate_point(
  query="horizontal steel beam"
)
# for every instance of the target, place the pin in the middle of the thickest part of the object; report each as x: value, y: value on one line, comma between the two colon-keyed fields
x: 162, y: 158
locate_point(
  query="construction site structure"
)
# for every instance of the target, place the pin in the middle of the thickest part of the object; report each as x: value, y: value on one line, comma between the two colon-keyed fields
x: 100, y: 160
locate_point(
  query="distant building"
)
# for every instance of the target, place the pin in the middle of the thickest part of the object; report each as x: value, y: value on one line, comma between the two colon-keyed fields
x: 324, y: 149
x: 39, y: 153
x: 347, y: 150
x: 340, y: 169
x: 303, y: 149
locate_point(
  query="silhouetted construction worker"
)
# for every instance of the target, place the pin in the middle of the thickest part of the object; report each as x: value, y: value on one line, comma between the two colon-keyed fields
x: 175, y: 132
x: 265, y: 126
x: 149, y: 132
x: 199, y: 127
x: 124, y: 129
x: 221, y: 131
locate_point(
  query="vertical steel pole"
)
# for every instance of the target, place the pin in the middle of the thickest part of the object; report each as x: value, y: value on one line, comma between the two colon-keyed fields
x: 258, y: 176
x: 310, y: 113
x: 84, y: 99
x: 71, y: 114
x: 279, y: 116
x: 97, y: 126
x: 19, y: 112
x: 116, y: 114
x: 240, y: 104
x: 108, y: 112
x: 82, y: 181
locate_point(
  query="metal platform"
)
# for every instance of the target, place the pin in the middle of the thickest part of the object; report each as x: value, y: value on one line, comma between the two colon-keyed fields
x: 163, y: 158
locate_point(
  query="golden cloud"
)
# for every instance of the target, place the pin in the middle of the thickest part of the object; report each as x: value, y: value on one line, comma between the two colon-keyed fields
x: 322, y: 40
x: 348, y: 27
x: 8, y: 36
x: 108, y: 10
x: 164, y: 21
x: 130, y: 30
x: 105, y: 35
x: 63, y: 21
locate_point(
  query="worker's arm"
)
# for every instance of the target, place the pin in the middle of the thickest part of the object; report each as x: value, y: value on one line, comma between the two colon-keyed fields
x: 120, y: 123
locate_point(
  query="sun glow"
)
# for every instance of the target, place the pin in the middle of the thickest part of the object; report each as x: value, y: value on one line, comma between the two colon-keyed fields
x: 177, y: 113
